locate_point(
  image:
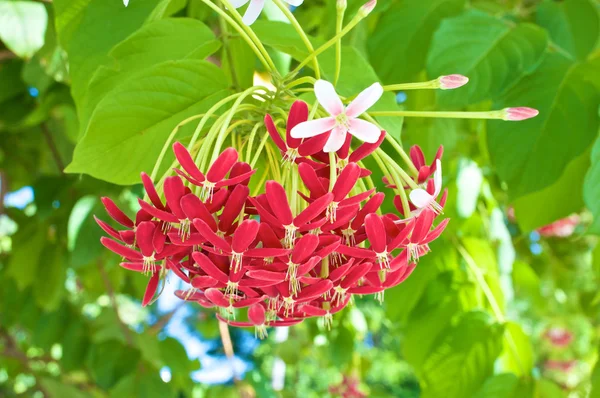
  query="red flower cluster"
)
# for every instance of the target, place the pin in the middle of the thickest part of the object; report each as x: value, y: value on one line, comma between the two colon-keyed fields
x: 348, y: 388
x: 285, y: 258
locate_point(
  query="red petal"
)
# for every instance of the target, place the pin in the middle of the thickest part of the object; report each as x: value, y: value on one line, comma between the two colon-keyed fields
x: 304, y: 248
x: 113, y: 210
x: 313, y: 210
x: 151, y: 288
x: 185, y: 160
x: 312, y: 310
x: 210, y: 236
x: 311, y: 181
x: 240, y: 179
x: 357, y: 252
x: 194, y: 208
x: 279, y: 202
x: 298, y: 114
x: 216, y: 297
x: 256, y: 314
x: 365, y: 149
x: 341, y: 271
x: 272, y: 130
x: 217, y: 201
x: 138, y: 266
x: 416, y: 154
x: 343, y: 151
x: 203, y: 281
x: 356, y: 199
x: 121, y: 250
x: 239, y: 169
x: 174, y: 191
x: 144, y: 235
x: 345, y: 182
x: 268, y: 237
x: 107, y: 228
x: 265, y: 215
x: 266, y: 252
x: 309, y: 265
x: 222, y: 165
x: 402, y: 237
x: 151, y: 191
x: 177, y: 270
x: 313, y: 145
x: 233, y: 207
x: 266, y: 275
x: 370, y: 207
x: 376, y: 232
x: 157, y: 213
x: 244, y: 235
x: 437, y: 231
x: 355, y: 275
x: 309, y: 292
x: 422, y: 226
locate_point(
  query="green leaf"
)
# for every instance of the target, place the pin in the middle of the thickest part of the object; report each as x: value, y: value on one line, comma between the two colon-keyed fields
x: 505, y: 385
x: 591, y: 188
x: 518, y: 356
x: 23, y: 26
x: 399, y: 45
x: 458, y: 366
x: 574, y: 25
x: 154, y: 43
x: 10, y: 79
x: 562, y: 198
x: 28, y: 247
x: 493, y: 53
x: 75, y: 344
x: 55, y: 388
x: 110, y: 361
x: 531, y: 155
x: 49, y: 283
x: 131, y: 124
x: 88, y: 29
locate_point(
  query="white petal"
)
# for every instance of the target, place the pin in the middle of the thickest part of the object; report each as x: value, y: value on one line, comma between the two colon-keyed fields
x: 253, y: 11
x: 336, y: 140
x: 125, y: 3
x: 238, y: 3
x: 313, y: 127
x: 366, y: 99
x: 437, y: 178
x: 364, y: 131
x: 295, y: 3
x: 420, y: 198
x: 328, y: 98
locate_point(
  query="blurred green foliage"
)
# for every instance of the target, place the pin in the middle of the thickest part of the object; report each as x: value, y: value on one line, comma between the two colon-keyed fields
x: 92, y: 87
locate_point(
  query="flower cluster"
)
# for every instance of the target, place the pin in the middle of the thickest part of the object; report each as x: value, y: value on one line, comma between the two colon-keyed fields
x: 299, y: 248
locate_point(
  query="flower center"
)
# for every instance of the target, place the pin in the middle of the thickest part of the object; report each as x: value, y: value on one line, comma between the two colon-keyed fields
x: 148, y: 266
x: 342, y: 120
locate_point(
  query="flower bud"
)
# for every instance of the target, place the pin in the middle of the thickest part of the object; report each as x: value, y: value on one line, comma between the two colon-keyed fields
x: 520, y: 113
x: 450, y: 82
x: 367, y: 8
x: 341, y: 5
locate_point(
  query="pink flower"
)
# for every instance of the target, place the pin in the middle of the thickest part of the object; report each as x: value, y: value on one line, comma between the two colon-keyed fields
x: 519, y: 113
x: 559, y: 336
x: 562, y: 228
x: 255, y: 8
x: 450, y: 82
x: 342, y: 120
x: 423, y: 199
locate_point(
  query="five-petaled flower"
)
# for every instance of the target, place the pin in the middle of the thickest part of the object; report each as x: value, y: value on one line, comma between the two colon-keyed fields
x: 255, y: 8
x: 342, y: 120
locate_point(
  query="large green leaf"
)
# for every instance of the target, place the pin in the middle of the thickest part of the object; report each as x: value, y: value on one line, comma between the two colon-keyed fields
x: 493, y: 53
x: 88, y: 29
x: 156, y: 42
x: 574, y: 25
x: 356, y: 73
x: 531, y: 155
x: 131, y: 124
x: 23, y: 26
x: 399, y: 45
x: 458, y: 366
x: 505, y: 385
x: 591, y: 188
x: 560, y: 199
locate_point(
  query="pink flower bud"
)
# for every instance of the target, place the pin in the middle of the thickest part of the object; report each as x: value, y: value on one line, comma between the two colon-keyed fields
x: 520, y: 113
x: 341, y: 5
x: 367, y: 7
x: 450, y: 82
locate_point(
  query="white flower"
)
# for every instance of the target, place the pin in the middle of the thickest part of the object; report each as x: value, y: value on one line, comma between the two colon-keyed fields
x: 423, y: 199
x: 255, y: 8
x: 342, y: 120
x: 125, y: 3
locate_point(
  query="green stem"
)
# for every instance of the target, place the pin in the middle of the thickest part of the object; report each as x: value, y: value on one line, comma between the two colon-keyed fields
x: 328, y: 44
x: 472, y: 266
x: 261, y: 146
x: 266, y: 61
x: 341, y: 9
x: 286, y: 11
x: 447, y: 115
x: 405, y: 177
x: 251, y: 142
x: 271, y: 66
x: 332, y: 170
x: 302, y: 80
x: 227, y: 49
x: 431, y: 84
x: 294, y: 192
x: 206, y: 117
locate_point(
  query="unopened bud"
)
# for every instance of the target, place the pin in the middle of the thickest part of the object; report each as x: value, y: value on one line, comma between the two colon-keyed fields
x: 519, y: 113
x: 367, y: 8
x: 341, y: 5
x: 450, y: 82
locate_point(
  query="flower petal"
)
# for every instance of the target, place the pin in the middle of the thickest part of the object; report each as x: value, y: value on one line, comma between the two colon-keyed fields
x: 151, y: 289
x: 279, y: 202
x: 312, y: 128
x: 174, y: 191
x: 298, y: 114
x: 209, y: 267
x: 211, y: 236
x: 336, y: 140
x: 313, y: 210
x: 222, y: 165
x: 244, y: 235
x: 328, y: 98
x: 364, y: 131
x: 113, y: 210
x: 151, y: 191
x: 253, y: 11
x: 304, y: 247
x: 185, y: 160
x: 420, y: 198
x: 272, y: 130
x: 121, y: 250
x: 193, y: 208
x: 144, y: 234
x: 256, y: 314
x: 366, y: 99
x: 233, y: 207
x: 345, y: 182
x: 375, y: 232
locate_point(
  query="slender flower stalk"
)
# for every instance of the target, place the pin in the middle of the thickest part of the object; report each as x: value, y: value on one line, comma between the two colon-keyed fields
x: 443, y: 82
x: 339, y: 21
x: 504, y: 114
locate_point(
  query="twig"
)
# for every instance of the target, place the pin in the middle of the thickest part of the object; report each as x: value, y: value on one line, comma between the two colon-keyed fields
x: 163, y: 320
x: 6, y: 54
x: 113, y: 301
x: 53, y: 148
x: 3, y: 189
x: 228, y: 347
